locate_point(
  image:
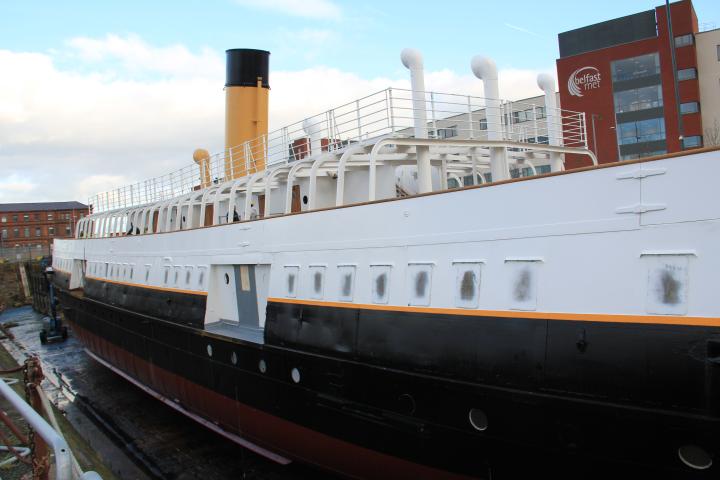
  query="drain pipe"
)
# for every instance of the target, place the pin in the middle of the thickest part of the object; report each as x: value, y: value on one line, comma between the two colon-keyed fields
x: 485, y: 69
x: 412, y: 59
x: 547, y: 84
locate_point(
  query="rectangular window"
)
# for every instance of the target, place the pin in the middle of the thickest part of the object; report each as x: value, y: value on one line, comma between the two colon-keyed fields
x: 67, y: 230
x: 649, y: 130
x: 687, y: 74
x: 3, y: 219
x: 636, y: 67
x: 292, y: 278
x: 16, y: 232
x: 689, y: 107
x: 693, y: 141
x: 419, y: 282
x: 38, y: 232
x: 684, y: 40
x: 380, y: 286
x: 446, y: 132
x: 51, y: 231
x: 718, y: 52
x: 26, y: 232
x: 4, y: 233
x: 317, y: 281
x: 15, y: 218
x: 523, y: 282
x: 638, y: 99
x: 346, y: 287
x: 37, y: 217
x: 483, y: 122
x: 26, y: 218
x: 50, y: 216
x: 467, y: 283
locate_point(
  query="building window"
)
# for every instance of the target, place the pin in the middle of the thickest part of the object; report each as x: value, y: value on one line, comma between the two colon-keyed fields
x: 4, y: 233
x: 51, y: 231
x: 684, y: 40
x: 37, y: 217
x: 693, y: 141
x: 26, y: 231
x: 16, y: 232
x: 50, y: 216
x: 718, y: 52
x: 15, y: 218
x: 642, y: 131
x: 638, y: 99
x: 687, y: 74
x: 483, y: 121
x: 636, y: 67
x: 3, y: 219
x: 446, y: 132
x: 38, y: 232
x: 67, y: 216
x: 689, y: 107
x: 67, y: 230
x: 26, y: 217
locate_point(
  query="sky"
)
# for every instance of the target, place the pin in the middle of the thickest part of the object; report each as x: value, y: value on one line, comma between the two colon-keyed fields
x: 98, y: 94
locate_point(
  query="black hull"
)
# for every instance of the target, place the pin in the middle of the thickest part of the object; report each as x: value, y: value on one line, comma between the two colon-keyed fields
x: 392, y: 399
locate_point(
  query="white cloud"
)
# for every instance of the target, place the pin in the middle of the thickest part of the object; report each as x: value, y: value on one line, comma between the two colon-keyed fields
x: 322, y: 9
x: 65, y: 134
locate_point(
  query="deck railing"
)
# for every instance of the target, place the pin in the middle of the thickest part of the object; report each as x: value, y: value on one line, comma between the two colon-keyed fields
x: 388, y: 112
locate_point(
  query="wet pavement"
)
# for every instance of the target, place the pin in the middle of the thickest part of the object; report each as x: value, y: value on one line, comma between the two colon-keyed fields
x: 125, y: 423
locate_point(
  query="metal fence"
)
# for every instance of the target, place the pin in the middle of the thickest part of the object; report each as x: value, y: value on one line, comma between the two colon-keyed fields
x: 23, y: 253
x: 387, y: 112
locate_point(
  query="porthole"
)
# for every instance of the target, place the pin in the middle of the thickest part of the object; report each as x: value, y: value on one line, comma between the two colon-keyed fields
x: 262, y: 366
x: 695, y: 457
x: 305, y: 200
x: 227, y: 279
x: 233, y: 358
x: 209, y: 350
x: 478, y: 419
x: 295, y: 375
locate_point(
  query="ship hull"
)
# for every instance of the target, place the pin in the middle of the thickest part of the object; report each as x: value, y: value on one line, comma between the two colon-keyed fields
x: 387, y: 419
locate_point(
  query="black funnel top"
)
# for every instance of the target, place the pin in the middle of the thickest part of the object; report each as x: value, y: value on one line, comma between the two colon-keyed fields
x: 245, y: 65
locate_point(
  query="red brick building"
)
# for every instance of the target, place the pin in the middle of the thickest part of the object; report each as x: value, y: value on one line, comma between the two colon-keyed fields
x: 33, y: 226
x: 620, y: 74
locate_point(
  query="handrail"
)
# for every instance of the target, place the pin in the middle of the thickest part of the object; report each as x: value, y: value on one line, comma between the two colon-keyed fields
x: 389, y: 112
x: 63, y: 457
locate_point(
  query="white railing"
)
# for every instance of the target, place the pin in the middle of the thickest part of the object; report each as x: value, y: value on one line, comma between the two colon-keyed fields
x: 386, y: 113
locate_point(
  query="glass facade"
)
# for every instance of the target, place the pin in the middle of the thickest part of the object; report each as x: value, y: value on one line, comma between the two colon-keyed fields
x: 636, y: 67
x: 641, y: 131
x: 639, y: 113
x: 638, y: 99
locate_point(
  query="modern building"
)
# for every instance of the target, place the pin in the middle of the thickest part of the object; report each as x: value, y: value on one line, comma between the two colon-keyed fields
x: 31, y: 227
x: 620, y: 73
x: 708, y: 55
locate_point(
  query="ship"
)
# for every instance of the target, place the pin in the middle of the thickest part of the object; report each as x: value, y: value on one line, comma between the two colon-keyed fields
x: 412, y: 285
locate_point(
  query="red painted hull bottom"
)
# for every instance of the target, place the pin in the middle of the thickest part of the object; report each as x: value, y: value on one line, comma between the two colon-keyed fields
x: 257, y: 430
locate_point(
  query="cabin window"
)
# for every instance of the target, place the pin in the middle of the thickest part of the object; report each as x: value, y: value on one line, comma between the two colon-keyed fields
x: 523, y: 282
x: 166, y: 274
x: 147, y: 272
x: 467, y: 283
x: 291, y: 280
x: 346, y: 278
x: 105, y: 271
x: 176, y: 276
x: 132, y: 271
x: 188, y: 274
x: 419, y: 283
x: 317, y: 281
x: 201, y: 275
x: 380, y: 283
x: 667, y: 283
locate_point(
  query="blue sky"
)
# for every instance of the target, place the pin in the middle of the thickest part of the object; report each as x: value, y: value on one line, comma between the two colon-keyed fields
x: 98, y: 94
x: 361, y: 37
